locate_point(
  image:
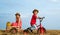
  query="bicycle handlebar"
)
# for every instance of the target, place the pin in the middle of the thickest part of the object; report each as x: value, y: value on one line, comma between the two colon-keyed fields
x: 41, y: 18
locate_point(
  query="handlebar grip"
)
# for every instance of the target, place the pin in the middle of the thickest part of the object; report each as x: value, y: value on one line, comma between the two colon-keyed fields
x: 41, y: 17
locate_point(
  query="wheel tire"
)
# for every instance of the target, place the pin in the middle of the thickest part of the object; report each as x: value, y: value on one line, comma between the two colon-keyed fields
x: 29, y: 30
x: 41, y: 30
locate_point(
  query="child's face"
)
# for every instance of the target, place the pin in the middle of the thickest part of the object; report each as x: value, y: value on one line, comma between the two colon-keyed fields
x: 17, y: 17
x: 35, y: 12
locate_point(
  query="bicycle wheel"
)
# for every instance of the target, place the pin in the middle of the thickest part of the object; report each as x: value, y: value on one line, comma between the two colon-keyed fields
x: 41, y: 30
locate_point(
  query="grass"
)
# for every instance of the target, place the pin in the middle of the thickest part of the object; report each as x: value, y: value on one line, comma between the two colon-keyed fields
x: 48, y: 32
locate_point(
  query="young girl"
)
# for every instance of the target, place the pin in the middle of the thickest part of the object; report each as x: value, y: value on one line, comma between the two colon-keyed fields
x: 18, y: 23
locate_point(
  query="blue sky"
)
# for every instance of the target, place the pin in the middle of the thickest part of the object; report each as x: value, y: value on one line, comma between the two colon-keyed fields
x: 48, y: 8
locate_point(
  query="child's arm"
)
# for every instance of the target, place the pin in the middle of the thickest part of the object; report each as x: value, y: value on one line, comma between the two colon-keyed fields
x: 13, y: 25
x: 20, y: 23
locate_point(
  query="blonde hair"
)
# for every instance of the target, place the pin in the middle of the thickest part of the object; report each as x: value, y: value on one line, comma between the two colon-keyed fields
x: 8, y: 24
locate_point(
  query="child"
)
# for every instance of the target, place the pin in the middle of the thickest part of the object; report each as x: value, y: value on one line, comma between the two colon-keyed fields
x: 8, y: 26
x: 33, y: 19
x: 33, y: 22
x: 18, y: 23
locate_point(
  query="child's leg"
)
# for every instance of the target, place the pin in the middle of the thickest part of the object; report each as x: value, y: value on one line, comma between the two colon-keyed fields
x: 29, y: 29
x: 33, y: 27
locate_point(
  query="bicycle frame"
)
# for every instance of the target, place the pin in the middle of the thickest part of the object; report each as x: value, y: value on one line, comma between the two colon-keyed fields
x: 40, y: 25
x: 41, y: 29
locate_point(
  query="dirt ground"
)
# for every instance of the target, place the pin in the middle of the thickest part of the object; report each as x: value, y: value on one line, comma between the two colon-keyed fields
x: 48, y: 32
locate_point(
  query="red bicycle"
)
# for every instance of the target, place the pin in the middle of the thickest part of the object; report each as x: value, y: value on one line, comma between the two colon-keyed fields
x: 40, y: 28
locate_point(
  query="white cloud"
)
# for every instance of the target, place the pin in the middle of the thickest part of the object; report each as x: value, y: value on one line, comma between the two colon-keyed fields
x: 26, y: 15
x: 33, y: 2
x: 54, y: 0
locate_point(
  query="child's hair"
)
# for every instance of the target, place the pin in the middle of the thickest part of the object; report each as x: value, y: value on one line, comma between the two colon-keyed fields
x: 17, y: 14
x: 8, y: 24
x: 35, y: 10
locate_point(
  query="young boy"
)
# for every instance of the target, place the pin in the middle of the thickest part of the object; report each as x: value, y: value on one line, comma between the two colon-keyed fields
x: 18, y: 23
x: 33, y: 19
x: 8, y: 26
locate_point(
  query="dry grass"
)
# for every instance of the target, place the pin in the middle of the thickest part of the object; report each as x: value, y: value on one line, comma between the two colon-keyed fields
x: 48, y: 32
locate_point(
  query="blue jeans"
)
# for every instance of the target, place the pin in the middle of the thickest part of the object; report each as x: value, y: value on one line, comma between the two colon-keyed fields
x: 33, y: 27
